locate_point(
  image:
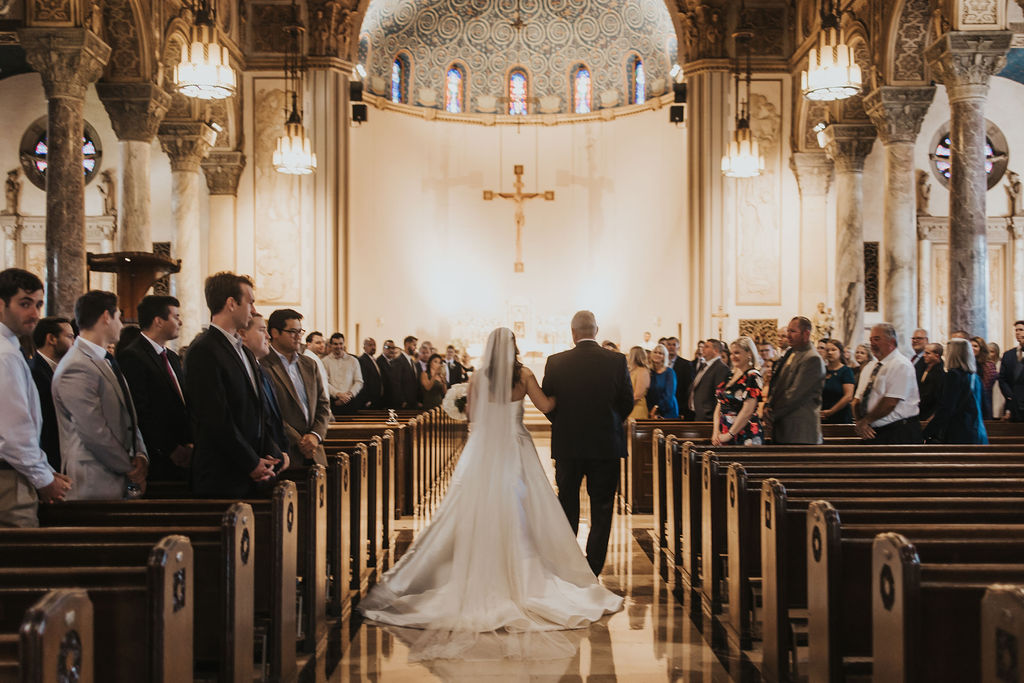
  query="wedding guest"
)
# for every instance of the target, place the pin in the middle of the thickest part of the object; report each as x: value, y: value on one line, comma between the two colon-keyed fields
x: 958, y: 417
x: 467, y: 365
x: 782, y: 341
x: 998, y: 400
x: 701, y: 400
x: 1011, y: 376
x: 960, y: 334
x: 766, y: 351
x: 423, y: 357
x: 610, y: 345
x: 862, y: 356
x: 52, y: 338
x: 917, y: 343
x: 255, y: 337
x: 661, y: 395
x: 735, y: 418
x: 698, y: 357
x: 793, y: 407
x: 929, y: 386
x: 684, y: 375
x: 887, y: 401
x: 129, y: 333
x: 316, y: 348
x: 640, y: 378
x: 820, y: 347
x: 987, y: 372
x: 837, y: 392
x: 432, y: 382
x: 456, y: 372
x: 344, y: 377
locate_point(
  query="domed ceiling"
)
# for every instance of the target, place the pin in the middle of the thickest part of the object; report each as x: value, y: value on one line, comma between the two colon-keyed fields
x: 557, y: 35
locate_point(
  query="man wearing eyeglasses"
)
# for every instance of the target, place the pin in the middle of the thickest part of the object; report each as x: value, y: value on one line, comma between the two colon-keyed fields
x: 299, y: 389
x: 918, y: 342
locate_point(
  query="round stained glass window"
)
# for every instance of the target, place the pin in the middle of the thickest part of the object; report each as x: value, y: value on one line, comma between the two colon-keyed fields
x: 35, y: 150
x: 996, y: 157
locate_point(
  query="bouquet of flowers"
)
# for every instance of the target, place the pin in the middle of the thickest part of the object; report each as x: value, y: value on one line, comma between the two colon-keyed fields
x: 454, y: 402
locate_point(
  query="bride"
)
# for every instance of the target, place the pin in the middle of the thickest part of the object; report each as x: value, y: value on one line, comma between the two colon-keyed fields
x: 499, y: 556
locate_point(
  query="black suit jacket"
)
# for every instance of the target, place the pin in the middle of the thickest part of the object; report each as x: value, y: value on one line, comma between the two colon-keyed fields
x: 372, y: 394
x: 163, y: 417
x: 1011, y: 383
x: 593, y: 396
x: 930, y: 389
x: 456, y: 373
x: 684, y: 378
x: 704, y: 400
x: 230, y: 418
x: 49, y: 439
x: 919, y: 367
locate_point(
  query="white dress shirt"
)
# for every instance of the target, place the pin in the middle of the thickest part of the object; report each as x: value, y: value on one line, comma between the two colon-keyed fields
x: 21, y: 418
x: 343, y: 374
x: 895, y: 379
x: 236, y: 342
x: 292, y: 368
x: 320, y: 368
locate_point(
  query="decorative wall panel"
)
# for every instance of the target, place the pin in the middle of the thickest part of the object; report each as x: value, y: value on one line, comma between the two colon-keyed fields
x: 871, y: 277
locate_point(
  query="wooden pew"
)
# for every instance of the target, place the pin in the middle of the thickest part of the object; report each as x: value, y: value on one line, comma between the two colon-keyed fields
x: 56, y: 631
x: 312, y: 552
x: 142, y: 613
x: 379, y: 525
x: 839, y: 578
x: 343, y: 559
x: 274, y: 566
x: 1002, y: 633
x: 926, y: 617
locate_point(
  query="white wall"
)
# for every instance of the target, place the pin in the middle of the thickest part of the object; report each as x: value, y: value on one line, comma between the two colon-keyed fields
x: 429, y: 256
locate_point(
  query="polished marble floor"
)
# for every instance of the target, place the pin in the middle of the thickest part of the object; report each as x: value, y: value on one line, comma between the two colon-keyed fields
x: 651, y: 639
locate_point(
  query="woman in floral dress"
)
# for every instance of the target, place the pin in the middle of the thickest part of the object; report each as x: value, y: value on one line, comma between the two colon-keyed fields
x: 736, y: 419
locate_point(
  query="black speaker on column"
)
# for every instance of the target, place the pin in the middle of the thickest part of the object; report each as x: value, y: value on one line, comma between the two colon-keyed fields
x: 355, y: 97
x: 359, y: 112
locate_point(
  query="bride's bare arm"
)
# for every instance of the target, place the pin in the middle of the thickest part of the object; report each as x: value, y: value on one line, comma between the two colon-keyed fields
x: 543, y: 403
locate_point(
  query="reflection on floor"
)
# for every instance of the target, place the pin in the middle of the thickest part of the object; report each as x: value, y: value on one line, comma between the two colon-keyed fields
x: 651, y: 639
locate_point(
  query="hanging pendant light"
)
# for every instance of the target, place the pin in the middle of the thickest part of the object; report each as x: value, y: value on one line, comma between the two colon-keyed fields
x: 205, y: 71
x: 743, y: 157
x: 832, y: 71
x: 294, y: 152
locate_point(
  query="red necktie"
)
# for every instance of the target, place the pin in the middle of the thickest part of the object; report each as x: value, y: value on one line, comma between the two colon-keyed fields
x: 170, y: 371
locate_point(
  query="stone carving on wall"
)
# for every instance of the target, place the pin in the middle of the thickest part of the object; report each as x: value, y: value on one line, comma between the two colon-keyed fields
x: 978, y: 12
x: 704, y: 33
x: 331, y: 30
x: 1013, y: 188
x: 12, y: 192
x: 853, y: 107
x: 123, y: 37
x: 924, y: 192
x: 162, y: 287
x: 277, y: 208
x: 600, y: 34
x: 266, y: 27
x: 761, y: 330
x: 758, y: 224
x: 769, y: 24
x: 908, y: 62
x: 52, y: 13
x: 823, y: 322
x: 814, y: 112
x: 871, y: 284
x: 180, y: 107
x: 108, y: 190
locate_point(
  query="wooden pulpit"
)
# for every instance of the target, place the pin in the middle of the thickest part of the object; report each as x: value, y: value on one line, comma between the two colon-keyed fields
x: 136, y: 273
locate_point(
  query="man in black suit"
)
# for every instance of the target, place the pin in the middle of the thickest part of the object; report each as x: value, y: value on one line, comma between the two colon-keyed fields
x: 371, y: 396
x: 931, y: 381
x: 235, y: 453
x: 53, y: 337
x: 684, y: 375
x: 401, y: 385
x: 593, y: 396
x: 918, y: 342
x: 1011, y: 376
x: 157, y: 382
x: 456, y: 373
x: 701, y: 401
x: 256, y: 338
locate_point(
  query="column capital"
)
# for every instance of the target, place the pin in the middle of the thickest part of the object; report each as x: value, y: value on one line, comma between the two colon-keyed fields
x: 703, y: 29
x: 897, y: 112
x: 1015, y: 226
x: 963, y: 61
x: 68, y: 59
x: 848, y: 144
x: 813, y: 171
x: 186, y: 143
x: 222, y: 170
x: 135, y: 109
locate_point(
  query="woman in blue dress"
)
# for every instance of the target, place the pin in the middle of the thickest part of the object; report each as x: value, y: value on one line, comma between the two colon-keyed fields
x: 958, y: 417
x: 736, y: 420
x: 661, y: 396
x: 837, y: 392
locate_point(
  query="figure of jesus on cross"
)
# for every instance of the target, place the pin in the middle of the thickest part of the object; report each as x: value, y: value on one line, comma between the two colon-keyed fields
x: 519, y: 197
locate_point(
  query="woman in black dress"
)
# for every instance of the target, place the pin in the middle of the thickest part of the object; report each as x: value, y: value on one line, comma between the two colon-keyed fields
x: 432, y: 382
x: 837, y: 393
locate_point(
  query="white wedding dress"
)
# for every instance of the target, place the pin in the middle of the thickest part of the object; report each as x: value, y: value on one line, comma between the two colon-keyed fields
x: 498, y: 568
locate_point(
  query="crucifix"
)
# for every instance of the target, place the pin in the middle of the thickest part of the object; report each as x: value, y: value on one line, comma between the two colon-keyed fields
x: 720, y: 317
x: 519, y: 197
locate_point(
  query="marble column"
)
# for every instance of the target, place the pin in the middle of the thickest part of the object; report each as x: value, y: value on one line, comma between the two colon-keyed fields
x: 964, y: 62
x: 187, y: 143
x: 813, y: 171
x: 135, y: 111
x: 1017, y: 235
x: 68, y: 59
x: 897, y: 113
x: 925, y: 289
x: 222, y: 171
x: 848, y: 144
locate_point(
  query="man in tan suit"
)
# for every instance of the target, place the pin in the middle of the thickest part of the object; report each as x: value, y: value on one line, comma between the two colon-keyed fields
x: 299, y: 389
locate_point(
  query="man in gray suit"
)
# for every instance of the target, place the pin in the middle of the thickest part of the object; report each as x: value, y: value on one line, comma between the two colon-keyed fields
x: 701, y: 403
x: 794, y: 399
x: 101, y: 445
x: 301, y: 397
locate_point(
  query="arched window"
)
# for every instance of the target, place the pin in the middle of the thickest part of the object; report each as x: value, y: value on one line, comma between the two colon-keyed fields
x: 400, y: 79
x: 581, y: 89
x: 518, y: 88
x: 637, y: 81
x: 455, y: 89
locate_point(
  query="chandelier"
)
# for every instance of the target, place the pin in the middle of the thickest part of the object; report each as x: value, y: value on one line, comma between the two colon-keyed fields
x: 832, y: 72
x: 294, y: 152
x: 205, y: 70
x: 742, y: 158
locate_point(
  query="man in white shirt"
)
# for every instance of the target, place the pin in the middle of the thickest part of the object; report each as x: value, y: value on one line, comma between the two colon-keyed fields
x: 344, y: 377
x: 316, y: 348
x: 887, y: 401
x: 25, y: 474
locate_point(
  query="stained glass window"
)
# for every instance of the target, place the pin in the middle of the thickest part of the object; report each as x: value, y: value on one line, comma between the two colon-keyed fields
x: 637, y: 81
x: 581, y: 90
x: 89, y: 155
x: 517, y: 92
x: 941, y: 157
x: 400, y: 79
x: 455, y: 88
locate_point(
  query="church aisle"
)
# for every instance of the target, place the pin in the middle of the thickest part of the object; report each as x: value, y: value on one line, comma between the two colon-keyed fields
x: 651, y: 639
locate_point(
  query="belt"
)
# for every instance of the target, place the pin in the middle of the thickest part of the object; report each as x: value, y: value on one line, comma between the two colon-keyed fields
x: 898, y: 423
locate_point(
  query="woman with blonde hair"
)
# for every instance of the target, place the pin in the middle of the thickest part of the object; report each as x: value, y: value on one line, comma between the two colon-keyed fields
x: 958, y: 417
x: 661, y: 395
x: 736, y: 419
x: 862, y: 356
x: 640, y: 377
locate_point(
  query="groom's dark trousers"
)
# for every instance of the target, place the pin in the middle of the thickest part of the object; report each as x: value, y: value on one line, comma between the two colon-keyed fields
x: 593, y: 396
